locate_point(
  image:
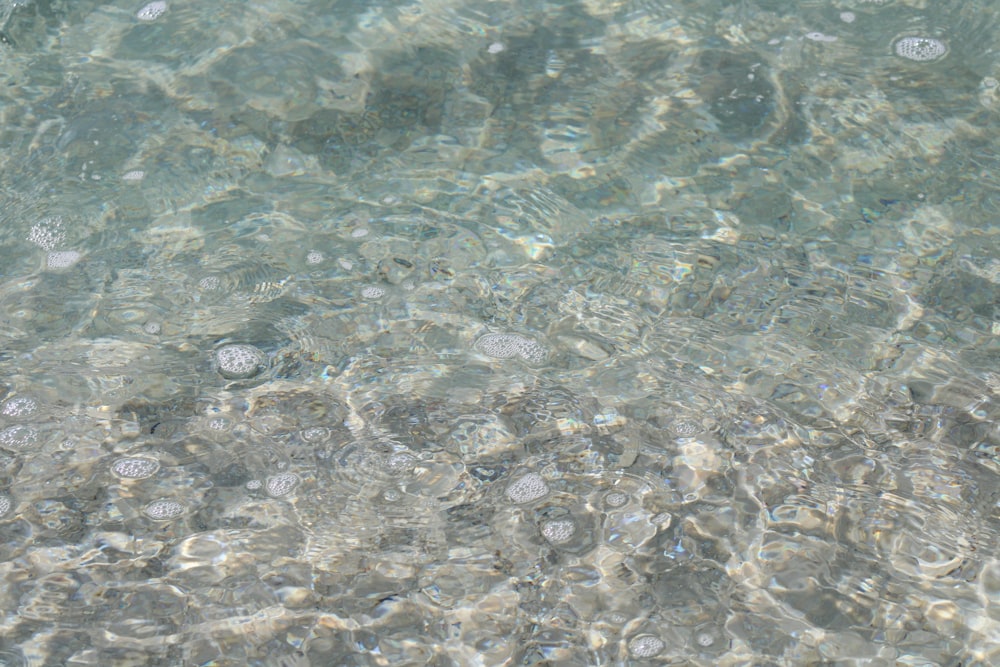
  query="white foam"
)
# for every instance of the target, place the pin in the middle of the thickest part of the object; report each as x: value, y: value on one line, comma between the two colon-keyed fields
x: 61, y: 259
x: 281, y: 484
x: 646, y: 646
x: 920, y: 49
x: 558, y: 531
x: 152, y: 11
x: 527, y: 488
x: 161, y: 510
x: 135, y: 467
x: 239, y: 361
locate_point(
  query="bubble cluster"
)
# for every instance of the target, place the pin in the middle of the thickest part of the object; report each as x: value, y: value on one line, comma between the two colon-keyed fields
x: 161, y: 510
x: 401, y: 463
x: 281, y: 484
x: 372, y: 292
x: 19, y: 406
x: 646, y: 646
x: 558, y: 531
x: 685, y: 428
x: 236, y: 362
x: 134, y: 175
x: 527, y: 488
x: 920, y: 49
x: 6, y: 503
x: 314, y: 257
x: 152, y: 11
x: 254, y: 484
x: 152, y: 328
x: 705, y: 639
x: 661, y: 519
x: 209, y: 283
x: 18, y: 437
x: 316, y: 434
x: 616, y: 499
x: 47, y: 233
x: 136, y: 467
x: 61, y: 259
x: 508, y: 346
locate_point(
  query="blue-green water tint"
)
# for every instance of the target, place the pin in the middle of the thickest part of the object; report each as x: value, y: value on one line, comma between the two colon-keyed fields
x: 582, y: 333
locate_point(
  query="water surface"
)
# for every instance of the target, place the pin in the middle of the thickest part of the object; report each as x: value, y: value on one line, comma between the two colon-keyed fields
x: 478, y: 333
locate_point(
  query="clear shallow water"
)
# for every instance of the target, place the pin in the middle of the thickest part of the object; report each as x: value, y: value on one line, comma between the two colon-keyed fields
x: 576, y: 334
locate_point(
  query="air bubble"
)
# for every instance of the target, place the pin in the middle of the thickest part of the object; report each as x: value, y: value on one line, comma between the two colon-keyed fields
x: 705, y: 639
x: 135, y: 467
x: 236, y: 362
x: 401, y: 463
x: 617, y: 618
x: 646, y: 646
x: 616, y: 499
x: 528, y: 488
x: 152, y: 11
x: 372, y: 292
x: 219, y: 424
x: 315, y: 434
x: 508, y: 346
x: 558, y: 531
x: 161, y: 510
x: 661, y: 519
x: 685, y: 428
x: 47, y: 233
x: 134, y: 175
x: 19, y: 406
x: 62, y: 259
x: 282, y: 484
x: 18, y: 437
x: 920, y: 49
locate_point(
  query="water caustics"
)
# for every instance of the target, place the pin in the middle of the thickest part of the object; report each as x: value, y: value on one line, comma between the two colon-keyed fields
x: 465, y: 333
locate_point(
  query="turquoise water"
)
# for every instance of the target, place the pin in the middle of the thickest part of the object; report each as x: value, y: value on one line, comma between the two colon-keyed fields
x: 476, y: 333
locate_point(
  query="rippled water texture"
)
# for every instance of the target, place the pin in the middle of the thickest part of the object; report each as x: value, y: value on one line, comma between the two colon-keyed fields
x: 472, y: 333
